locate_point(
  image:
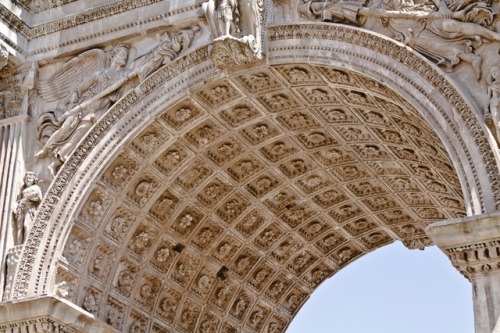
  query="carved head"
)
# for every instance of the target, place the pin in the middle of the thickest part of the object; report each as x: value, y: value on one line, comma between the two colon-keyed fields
x: 30, y: 178
x: 186, y: 37
x: 119, y: 55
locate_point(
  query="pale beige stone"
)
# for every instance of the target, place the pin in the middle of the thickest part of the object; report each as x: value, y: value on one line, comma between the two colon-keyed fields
x: 210, y: 166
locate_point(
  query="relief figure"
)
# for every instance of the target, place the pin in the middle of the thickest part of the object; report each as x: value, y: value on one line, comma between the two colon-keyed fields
x: 445, y: 32
x: 84, y: 101
x: 236, y: 30
x: 27, y: 204
x: 83, y: 104
x: 223, y: 17
x: 493, y: 116
x: 166, y: 51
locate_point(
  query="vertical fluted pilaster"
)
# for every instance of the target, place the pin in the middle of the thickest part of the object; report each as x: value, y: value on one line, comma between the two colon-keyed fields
x: 12, y: 169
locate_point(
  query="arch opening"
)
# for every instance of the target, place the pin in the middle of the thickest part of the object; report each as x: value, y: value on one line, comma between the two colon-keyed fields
x: 230, y: 207
x: 391, y: 290
x: 222, y: 199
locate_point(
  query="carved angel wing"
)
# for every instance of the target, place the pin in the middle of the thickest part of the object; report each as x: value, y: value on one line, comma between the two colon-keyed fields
x: 73, y: 72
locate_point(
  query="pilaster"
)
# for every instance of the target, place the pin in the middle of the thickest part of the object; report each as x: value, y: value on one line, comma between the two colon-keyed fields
x: 12, y: 168
x: 473, y: 246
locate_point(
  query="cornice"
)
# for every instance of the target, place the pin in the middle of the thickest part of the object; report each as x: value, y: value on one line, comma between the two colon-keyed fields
x: 47, y: 314
x: 71, y: 21
x: 472, y: 243
x: 28, y: 5
x: 99, y: 13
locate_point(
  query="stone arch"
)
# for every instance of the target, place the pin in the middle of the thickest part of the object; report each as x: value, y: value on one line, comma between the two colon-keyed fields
x: 428, y: 96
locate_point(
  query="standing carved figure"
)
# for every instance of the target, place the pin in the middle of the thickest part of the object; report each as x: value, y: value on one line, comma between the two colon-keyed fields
x: 82, y: 103
x: 27, y: 204
x: 228, y: 16
x: 493, y: 118
x: 236, y: 31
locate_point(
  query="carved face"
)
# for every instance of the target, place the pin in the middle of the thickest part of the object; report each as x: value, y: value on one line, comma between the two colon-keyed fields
x: 30, y: 179
x: 120, y: 55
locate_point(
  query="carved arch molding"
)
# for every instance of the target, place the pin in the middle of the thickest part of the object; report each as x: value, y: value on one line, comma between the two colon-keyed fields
x: 215, y: 201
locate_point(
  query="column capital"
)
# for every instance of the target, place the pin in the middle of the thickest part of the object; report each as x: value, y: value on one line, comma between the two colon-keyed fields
x: 48, y: 314
x: 472, y: 243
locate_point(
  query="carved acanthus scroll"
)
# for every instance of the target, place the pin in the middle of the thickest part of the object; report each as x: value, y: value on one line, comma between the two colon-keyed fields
x: 236, y: 29
x: 447, y: 33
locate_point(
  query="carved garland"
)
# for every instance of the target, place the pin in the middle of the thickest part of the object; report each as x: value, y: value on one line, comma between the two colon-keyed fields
x: 400, y: 53
x: 70, y: 168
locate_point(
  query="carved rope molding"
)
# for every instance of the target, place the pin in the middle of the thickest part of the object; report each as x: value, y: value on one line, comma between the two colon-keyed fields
x: 60, y: 201
x: 401, y: 53
x: 34, y: 251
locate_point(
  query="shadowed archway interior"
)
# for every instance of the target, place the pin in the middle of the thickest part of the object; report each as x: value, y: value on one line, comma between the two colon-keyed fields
x: 230, y: 207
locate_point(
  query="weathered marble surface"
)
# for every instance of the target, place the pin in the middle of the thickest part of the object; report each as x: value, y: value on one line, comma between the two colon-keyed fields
x: 206, y: 165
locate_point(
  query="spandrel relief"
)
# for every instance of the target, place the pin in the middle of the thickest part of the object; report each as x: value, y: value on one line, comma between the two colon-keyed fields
x: 236, y: 30
x: 83, y: 98
x: 446, y: 31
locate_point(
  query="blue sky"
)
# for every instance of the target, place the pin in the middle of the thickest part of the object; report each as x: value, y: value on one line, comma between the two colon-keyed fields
x: 391, y: 290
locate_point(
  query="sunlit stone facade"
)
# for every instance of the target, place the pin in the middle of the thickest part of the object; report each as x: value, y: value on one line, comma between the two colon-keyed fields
x: 190, y: 166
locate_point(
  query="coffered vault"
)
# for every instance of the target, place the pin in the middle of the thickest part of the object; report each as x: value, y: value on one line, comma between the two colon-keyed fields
x: 219, y: 172
x: 231, y: 206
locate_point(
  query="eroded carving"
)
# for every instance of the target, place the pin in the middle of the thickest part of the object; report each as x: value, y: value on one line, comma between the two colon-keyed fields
x: 445, y: 32
x: 4, y: 57
x: 236, y: 29
x: 26, y: 206
x: 493, y: 116
x: 82, y: 102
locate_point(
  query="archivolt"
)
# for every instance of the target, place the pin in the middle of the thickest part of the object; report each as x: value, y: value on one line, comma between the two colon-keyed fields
x: 348, y: 49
